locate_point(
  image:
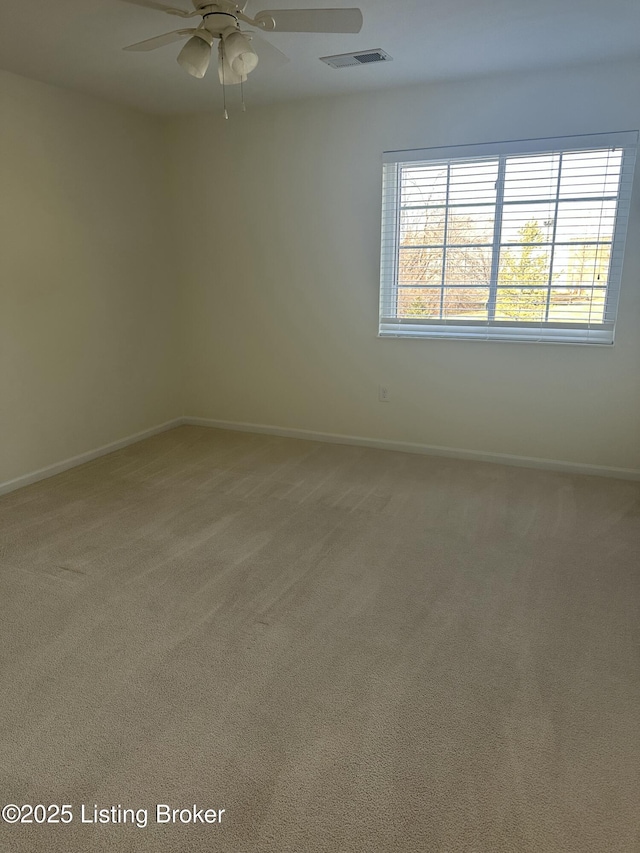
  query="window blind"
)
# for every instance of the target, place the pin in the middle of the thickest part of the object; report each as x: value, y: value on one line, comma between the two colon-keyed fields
x: 517, y: 240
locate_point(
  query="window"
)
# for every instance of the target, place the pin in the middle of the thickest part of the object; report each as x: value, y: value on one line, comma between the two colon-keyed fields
x: 507, y: 241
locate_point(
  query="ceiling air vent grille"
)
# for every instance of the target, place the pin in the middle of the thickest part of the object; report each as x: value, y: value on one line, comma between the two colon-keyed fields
x: 350, y: 60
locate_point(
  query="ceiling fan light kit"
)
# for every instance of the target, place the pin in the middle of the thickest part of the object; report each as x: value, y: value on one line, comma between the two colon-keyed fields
x: 236, y: 55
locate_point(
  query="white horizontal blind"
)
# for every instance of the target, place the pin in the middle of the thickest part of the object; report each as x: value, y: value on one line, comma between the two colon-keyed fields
x: 512, y: 241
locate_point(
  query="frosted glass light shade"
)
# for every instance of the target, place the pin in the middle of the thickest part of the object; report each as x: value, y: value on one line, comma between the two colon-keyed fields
x: 227, y: 75
x: 195, y: 56
x: 241, y: 57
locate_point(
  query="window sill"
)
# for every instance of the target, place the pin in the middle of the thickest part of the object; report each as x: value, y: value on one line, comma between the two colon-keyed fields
x: 601, y: 336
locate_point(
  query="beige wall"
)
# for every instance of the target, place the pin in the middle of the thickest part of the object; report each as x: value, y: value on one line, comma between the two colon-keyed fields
x: 280, y: 216
x: 263, y: 309
x: 87, y: 297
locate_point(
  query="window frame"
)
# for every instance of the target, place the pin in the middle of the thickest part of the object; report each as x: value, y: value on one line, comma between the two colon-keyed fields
x: 491, y: 329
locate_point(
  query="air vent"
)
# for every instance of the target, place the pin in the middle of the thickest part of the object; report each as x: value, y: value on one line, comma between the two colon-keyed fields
x: 350, y: 60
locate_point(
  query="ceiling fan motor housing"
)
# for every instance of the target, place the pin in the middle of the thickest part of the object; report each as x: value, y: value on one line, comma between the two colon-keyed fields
x: 217, y: 23
x: 205, y: 8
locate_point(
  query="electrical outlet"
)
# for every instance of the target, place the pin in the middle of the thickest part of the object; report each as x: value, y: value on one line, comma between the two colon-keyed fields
x: 383, y: 393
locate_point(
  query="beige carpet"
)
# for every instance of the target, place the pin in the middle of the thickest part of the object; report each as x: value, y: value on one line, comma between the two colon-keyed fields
x: 346, y: 649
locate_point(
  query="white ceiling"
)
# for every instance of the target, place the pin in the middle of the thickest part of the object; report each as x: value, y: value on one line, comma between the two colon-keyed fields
x: 77, y: 44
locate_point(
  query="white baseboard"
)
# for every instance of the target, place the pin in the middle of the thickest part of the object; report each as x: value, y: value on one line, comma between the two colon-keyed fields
x: 309, y: 435
x: 425, y: 449
x: 74, y: 461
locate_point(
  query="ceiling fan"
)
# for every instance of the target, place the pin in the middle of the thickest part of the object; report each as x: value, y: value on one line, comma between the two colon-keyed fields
x: 236, y: 56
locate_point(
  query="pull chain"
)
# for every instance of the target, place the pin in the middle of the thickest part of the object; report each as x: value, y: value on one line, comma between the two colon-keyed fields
x: 244, y: 107
x: 224, y: 88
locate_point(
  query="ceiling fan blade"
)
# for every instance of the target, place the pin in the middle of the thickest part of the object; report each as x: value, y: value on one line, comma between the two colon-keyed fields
x: 151, y: 4
x: 269, y: 55
x: 160, y: 41
x: 311, y: 20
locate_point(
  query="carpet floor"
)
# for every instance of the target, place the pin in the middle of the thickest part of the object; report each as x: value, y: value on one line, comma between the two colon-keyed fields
x: 348, y: 650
